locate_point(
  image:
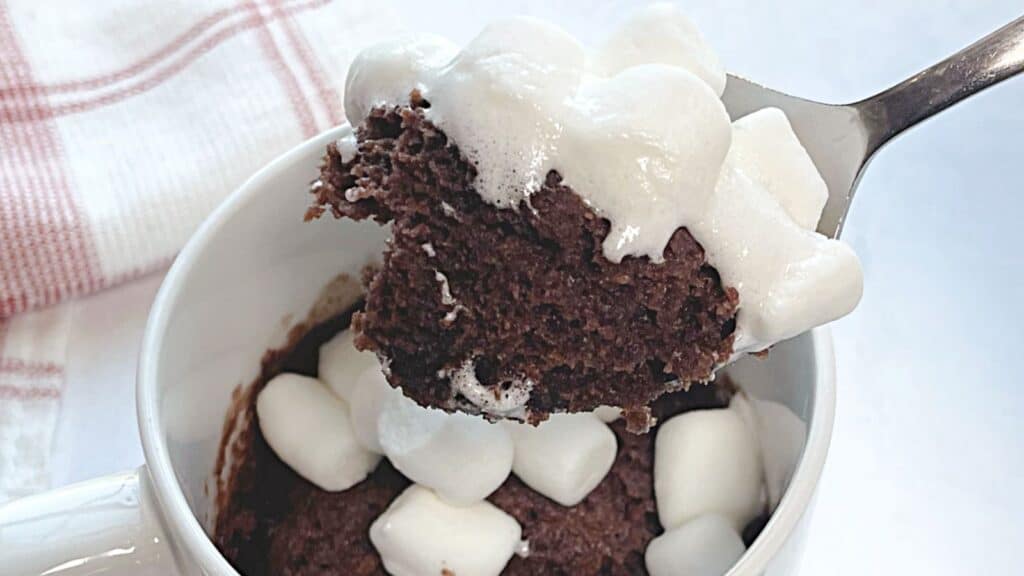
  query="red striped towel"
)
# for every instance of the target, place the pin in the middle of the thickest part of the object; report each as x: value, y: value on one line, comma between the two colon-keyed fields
x: 122, y: 124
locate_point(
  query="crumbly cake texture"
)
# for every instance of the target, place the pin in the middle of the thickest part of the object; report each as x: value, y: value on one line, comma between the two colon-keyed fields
x: 273, y: 522
x: 524, y: 293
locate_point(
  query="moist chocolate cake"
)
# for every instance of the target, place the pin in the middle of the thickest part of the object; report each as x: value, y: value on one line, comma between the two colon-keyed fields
x: 523, y: 296
x: 272, y: 521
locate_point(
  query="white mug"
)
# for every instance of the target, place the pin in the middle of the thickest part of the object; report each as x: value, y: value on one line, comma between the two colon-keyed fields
x: 252, y: 270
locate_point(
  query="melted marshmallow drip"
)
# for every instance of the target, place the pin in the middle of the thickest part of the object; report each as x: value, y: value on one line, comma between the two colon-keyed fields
x: 347, y: 144
x: 507, y: 402
x: 637, y: 129
x: 446, y: 295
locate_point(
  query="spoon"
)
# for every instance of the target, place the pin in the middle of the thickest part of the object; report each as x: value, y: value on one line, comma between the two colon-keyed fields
x: 842, y: 139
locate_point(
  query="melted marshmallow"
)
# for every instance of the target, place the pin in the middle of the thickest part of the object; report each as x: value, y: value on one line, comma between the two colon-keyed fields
x: 789, y: 279
x: 637, y: 129
x: 508, y: 401
x: 585, y: 126
x: 659, y: 34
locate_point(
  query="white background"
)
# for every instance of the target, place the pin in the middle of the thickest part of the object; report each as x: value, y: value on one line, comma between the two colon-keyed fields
x: 926, y: 470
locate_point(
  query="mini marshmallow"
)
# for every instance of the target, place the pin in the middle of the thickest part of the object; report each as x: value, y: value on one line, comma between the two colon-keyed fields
x: 661, y: 34
x: 565, y: 457
x: 781, y: 435
x: 707, y: 461
x: 770, y: 153
x: 309, y: 428
x: 341, y: 363
x: 798, y: 280
x: 463, y: 458
x: 608, y: 414
x: 367, y: 399
x: 708, y: 545
x: 420, y: 534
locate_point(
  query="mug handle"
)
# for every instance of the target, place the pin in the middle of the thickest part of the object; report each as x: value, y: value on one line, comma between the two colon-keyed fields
x: 110, y: 525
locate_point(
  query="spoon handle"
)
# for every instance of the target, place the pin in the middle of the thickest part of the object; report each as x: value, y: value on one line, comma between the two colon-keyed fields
x: 994, y: 58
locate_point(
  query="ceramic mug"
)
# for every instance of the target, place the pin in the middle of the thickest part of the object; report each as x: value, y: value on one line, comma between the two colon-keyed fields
x: 252, y: 270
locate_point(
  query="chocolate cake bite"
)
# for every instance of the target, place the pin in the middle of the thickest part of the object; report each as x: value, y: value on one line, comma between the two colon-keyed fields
x: 477, y: 306
x: 574, y: 227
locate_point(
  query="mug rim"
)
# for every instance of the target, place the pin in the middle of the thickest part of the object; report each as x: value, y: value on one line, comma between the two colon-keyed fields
x: 188, y: 535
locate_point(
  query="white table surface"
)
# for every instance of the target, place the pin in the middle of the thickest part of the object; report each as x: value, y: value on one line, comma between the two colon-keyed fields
x: 927, y: 466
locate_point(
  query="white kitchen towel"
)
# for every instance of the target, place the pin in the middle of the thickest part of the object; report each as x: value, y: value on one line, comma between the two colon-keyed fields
x: 122, y: 124
x: 31, y: 383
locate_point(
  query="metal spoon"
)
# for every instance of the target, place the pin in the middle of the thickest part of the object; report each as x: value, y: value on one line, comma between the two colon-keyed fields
x: 842, y: 139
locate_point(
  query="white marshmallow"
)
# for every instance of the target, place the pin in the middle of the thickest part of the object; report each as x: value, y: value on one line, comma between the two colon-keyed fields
x: 608, y: 414
x: 707, y: 461
x: 781, y: 435
x: 367, y: 400
x: 648, y: 174
x: 565, y: 457
x: 770, y: 153
x: 341, y: 363
x: 420, y: 534
x: 660, y: 34
x: 798, y: 280
x: 310, y: 430
x: 463, y: 458
x: 387, y: 72
x: 705, y: 546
